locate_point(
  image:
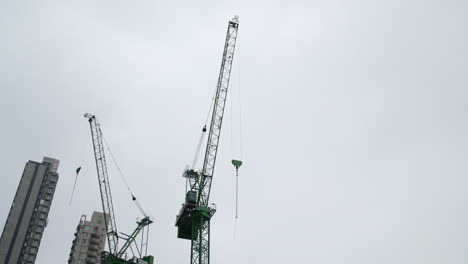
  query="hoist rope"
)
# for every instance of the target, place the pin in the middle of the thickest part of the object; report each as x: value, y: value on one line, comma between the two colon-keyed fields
x: 200, y: 141
x: 117, y: 166
x: 237, y: 192
x: 232, y: 147
x: 231, y: 117
x: 74, y: 185
x: 197, y: 151
x: 139, y: 206
x: 85, y: 146
x: 239, y: 105
x: 240, y: 99
x: 211, y: 107
x: 237, y: 202
x: 235, y: 228
x: 122, y: 176
x: 73, y: 190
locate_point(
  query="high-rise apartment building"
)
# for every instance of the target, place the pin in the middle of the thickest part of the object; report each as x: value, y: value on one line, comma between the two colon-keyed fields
x: 90, y: 239
x: 27, y: 219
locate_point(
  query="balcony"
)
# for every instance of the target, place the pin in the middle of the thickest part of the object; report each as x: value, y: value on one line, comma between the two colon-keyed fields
x: 93, y: 248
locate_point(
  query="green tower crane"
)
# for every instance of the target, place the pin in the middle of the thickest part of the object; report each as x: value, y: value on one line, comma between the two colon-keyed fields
x: 115, y: 255
x: 193, y: 221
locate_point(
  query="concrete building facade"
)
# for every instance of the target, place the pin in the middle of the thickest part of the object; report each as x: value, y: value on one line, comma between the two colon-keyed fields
x: 23, y: 230
x: 90, y: 239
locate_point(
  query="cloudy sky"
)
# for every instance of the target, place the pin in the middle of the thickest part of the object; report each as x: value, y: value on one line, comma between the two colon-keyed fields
x: 354, y: 122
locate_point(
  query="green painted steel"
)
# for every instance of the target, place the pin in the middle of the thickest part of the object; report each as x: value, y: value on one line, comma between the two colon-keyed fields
x: 193, y: 221
x: 141, y: 224
x: 201, y: 235
x: 236, y: 163
x: 107, y: 258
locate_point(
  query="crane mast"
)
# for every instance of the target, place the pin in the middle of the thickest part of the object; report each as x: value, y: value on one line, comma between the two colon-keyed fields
x: 104, y: 185
x: 193, y: 221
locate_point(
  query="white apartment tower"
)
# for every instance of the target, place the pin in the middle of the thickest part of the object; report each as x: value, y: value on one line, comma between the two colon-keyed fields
x: 90, y: 239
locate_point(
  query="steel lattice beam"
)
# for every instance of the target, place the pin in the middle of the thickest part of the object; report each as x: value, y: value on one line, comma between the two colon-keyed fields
x: 202, y: 184
x: 104, y: 185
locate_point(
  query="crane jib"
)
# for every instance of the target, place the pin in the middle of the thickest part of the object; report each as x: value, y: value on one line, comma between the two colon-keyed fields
x: 217, y: 114
x: 104, y: 184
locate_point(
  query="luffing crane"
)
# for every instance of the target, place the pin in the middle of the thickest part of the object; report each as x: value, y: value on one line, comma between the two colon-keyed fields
x: 193, y: 221
x: 115, y: 255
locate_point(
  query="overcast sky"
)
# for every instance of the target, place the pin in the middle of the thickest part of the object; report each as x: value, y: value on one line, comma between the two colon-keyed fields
x: 354, y: 122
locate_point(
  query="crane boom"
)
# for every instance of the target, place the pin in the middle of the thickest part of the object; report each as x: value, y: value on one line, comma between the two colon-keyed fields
x: 104, y: 185
x: 193, y: 221
x: 218, y: 113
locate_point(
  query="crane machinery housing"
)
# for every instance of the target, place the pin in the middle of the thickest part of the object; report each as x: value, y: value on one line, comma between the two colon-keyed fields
x: 193, y: 221
x: 115, y: 255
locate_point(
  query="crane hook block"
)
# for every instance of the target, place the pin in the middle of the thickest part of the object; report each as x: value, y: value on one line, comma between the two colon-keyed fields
x: 204, y: 129
x: 236, y: 163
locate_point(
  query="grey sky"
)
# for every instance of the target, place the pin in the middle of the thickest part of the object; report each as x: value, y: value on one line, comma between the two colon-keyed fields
x: 355, y: 122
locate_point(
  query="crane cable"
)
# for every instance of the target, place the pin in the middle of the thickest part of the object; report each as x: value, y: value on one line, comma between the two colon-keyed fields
x: 240, y: 101
x: 237, y: 163
x: 123, y: 177
x: 209, y: 110
x: 78, y: 169
x: 200, y: 141
x: 202, y: 135
x: 197, y: 151
x: 74, y: 184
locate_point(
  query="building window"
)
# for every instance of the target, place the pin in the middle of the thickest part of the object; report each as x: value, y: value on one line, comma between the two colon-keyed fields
x: 53, y: 178
x: 40, y: 222
x: 43, y: 209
